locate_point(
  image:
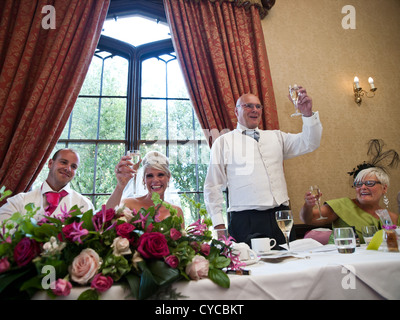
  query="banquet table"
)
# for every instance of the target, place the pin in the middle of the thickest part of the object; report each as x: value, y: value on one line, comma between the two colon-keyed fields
x: 365, y: 274
x: 322, y: 273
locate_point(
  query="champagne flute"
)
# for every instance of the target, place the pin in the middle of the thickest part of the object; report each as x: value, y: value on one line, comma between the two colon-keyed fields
x: 315, y: 191
x: 284, y: 219
x: 294, y: 95
x: 135, y: 155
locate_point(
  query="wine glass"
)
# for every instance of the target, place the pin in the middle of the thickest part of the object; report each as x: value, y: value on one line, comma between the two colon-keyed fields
x: 135, y: 155
x: 315, y: 191
x: 294, y: 94
x: 284, y: 219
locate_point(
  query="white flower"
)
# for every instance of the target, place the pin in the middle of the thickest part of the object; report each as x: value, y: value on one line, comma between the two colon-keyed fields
x: 124, y: 213
x: 121, y: 246
x: 122, y: 219
x: 52, y: 247
x: 136, y: 259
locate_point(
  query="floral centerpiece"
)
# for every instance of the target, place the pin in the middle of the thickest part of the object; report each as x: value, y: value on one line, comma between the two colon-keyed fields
x: 98, y: 250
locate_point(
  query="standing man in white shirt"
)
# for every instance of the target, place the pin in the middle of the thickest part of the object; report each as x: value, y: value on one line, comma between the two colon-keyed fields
x: 249, y: 162
x: 55, y: 194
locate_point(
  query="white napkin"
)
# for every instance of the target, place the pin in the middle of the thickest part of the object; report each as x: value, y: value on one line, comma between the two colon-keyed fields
x: 302, y: 245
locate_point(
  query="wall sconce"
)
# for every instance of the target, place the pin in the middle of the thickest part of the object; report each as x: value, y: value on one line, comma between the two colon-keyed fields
x: 359, y: 92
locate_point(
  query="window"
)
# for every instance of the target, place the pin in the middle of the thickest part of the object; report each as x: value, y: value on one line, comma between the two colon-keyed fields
x: 134, y: 97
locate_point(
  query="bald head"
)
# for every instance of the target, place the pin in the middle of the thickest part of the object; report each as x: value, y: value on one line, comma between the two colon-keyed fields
x: 247, y: 98
x: 248, y: 117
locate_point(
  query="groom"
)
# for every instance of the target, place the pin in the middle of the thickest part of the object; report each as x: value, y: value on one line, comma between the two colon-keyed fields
x: 55, y: 193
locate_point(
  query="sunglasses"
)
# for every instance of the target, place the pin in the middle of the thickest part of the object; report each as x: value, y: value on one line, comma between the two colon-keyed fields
x: 368, y: 183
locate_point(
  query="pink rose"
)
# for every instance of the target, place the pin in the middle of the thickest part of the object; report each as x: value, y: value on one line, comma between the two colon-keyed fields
x: 74, y: 231
x: 66, y: 230
x: 124, y: 230
x: 62, y: 287
x: 102, y: 283
x: 85, y: 266
x: 198, y: 268
x: 105, y: 215
x: 175, y: 234
x: 4, y: 264
x: 205, y: 249
x: 25, y: 251
x: 103, y: 218
x: 172, y: 261
x: 153, y: 245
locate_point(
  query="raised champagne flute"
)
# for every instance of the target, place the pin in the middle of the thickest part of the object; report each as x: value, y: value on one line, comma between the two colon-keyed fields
x: 294, y: 95
x: 284, y: 219
x: 135, y: 155
x: 316, y: 192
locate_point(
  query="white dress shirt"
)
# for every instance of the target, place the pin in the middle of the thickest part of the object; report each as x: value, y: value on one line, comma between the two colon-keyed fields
x: 37, y: 196
x: 253, y: 171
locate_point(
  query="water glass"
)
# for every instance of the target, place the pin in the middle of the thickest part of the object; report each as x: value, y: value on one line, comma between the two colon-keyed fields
x: 368, y: 233
x: 345, y: 240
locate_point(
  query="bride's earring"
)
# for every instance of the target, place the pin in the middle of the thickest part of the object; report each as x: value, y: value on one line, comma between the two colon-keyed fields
x: 386, y: 201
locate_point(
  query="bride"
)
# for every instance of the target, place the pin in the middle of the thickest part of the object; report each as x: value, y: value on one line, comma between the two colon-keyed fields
x: 153, y: 176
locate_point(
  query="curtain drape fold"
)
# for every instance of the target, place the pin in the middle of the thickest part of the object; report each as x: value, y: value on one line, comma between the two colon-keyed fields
x: 42, y: 70
x: 220, y: 46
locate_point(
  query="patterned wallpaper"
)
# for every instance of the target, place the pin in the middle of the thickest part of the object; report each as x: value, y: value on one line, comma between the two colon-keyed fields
x: 308, y: 45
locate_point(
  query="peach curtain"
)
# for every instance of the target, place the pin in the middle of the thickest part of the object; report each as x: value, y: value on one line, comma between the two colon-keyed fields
x: 44, y: 57
x: 220, y: 46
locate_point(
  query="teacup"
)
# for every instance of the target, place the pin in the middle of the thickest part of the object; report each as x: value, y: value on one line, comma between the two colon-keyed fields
x: 244, y: 251
x: 262, y: 245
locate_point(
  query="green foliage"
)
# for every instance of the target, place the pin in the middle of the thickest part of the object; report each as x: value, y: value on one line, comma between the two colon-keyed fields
x: 89, y: 294
x: 4, y: 193
x: 144, y: 271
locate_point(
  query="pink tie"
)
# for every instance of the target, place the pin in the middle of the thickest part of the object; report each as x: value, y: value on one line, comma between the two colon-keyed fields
x: 53, y: 199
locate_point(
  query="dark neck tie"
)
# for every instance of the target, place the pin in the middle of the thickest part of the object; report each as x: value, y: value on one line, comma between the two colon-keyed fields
x: 53, y: 199
x: 253, y: 134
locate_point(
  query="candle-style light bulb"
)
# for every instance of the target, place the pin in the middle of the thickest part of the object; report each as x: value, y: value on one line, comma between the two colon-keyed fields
x: 356, y: 83
x: 371, y: 83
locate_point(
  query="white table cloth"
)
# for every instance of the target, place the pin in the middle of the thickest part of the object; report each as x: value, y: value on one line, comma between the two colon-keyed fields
x: 364, y: 274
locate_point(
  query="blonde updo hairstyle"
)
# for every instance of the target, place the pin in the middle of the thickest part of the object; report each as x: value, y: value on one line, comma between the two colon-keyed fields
x: 156, y: 160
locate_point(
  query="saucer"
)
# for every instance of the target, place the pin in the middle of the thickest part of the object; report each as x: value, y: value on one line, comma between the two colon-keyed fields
x: 268, y: 253
x: 251, y: 261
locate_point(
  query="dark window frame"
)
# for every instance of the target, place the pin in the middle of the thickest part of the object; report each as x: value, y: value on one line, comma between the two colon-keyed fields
x: 135, y: 57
